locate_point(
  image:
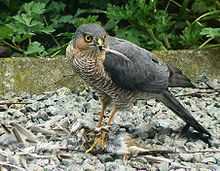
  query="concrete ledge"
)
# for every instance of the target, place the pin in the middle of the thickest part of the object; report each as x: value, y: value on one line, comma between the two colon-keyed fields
x: 35, y: 75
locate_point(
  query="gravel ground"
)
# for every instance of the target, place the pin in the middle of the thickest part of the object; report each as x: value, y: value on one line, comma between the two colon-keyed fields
x: 51, y: 131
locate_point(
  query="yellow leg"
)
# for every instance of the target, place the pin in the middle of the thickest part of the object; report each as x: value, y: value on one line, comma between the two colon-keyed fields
x: 101, y: 117
x: 105, y: 100
x: 101, y: 138
x: 114, y: 110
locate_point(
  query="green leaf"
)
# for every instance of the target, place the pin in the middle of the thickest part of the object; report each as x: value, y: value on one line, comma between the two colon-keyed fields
x: 201, y: 6
x: 5, y: 32
x: 21, y: 37
x: 55, y: 8
x: 34, y: 7
x: 23, y: 18
x: 66, y: 19
x: 90, y: 19
x: 47, y: 30
x: 35, y: 48
x: 191, y: 35
x: 130, y: 34
x: 211, y: 32
x: 117, y: 13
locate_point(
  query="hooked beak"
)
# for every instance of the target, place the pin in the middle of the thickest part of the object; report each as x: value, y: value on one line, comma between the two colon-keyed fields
x: 99, y: 44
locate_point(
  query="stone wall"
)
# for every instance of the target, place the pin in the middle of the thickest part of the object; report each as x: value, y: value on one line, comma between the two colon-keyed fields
x: 35, y: 75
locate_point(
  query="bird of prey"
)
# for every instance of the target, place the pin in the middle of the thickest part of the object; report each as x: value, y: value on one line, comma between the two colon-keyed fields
x: 121, y: 72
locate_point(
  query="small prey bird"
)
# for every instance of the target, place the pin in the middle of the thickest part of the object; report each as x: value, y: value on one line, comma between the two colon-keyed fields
x: 122, y: 72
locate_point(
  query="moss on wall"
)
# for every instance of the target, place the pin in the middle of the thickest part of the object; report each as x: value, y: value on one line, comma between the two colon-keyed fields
x: 35, y: 75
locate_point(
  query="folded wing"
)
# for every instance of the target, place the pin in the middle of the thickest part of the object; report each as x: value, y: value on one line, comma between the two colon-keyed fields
x: 141, y: 72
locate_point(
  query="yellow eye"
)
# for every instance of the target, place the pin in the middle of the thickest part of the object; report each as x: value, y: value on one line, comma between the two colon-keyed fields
x: 88, y: 38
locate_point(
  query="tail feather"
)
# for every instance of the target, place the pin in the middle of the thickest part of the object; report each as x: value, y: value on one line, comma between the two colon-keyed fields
x: 170, y: 101
x: 178, y: 79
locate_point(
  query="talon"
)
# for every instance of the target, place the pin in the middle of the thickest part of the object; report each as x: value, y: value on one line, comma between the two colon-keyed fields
x: 98, y: 129
x: 92, y: 147
x: 100, y: 140
x: 103, y: 128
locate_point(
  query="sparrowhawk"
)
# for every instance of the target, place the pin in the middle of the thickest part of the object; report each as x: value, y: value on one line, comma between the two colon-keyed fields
x: 122, y: 72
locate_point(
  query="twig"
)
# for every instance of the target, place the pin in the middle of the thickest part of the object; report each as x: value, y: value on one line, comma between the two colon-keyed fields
x: 11, y: 165
x: 28, y: 134
x: 161, y: 159
x: 208, y: 46
x: 18, y: 136
x: 197, y: 93
x: 43, y: 131
x: 31, y: 155
x: 10, y: 103
x: 207, y: 14
x: 203, y: 151
x: 149, y: 157
x: 179, y: 5
x: 6, y: 129
x: 13, y: 47
x: 206, y: 42
x: 177, y: 152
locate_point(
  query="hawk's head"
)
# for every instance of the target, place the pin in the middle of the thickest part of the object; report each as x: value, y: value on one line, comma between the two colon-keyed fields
x: 90, y: 37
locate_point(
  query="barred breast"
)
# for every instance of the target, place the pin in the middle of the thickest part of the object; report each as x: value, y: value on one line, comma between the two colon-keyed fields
x: 93, y: 73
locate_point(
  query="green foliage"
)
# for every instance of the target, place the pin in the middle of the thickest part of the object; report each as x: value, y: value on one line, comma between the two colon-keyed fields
x: 151, y: 25
x: 146, y: 25
x: 211, y: 32
x: 44, y: 27
x: 191, y: 35
x: 38, y: 28
x: 28, y: 22
x: 35, y: 48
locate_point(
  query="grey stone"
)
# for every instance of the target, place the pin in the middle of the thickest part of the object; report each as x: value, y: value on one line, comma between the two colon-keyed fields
x: 213, y: 111
x: 73, y: 116
x: 49, y: 102
x: 105, y: 158
x: 3, y: 108
x: 209, y: 160
x: 217, y: 157
x: 164, y: 166
x: 118, y: 165
x: 41, y: 97
x: 206, y: 169
x: 84, y: 162
x: 63, y: 91
x: 93, y: 164
x: 34, y: 107
x: 55, y: 110
x: 15, y: 113
x: 214, y: 83
x: 7, y: 139
x: 162, y: 123
x: 139, y: 163
x: 41, y: 114
x: 186, y: 157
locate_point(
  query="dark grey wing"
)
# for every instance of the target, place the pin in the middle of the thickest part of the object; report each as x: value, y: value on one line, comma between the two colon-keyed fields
x: 141, y: 72
x: 144, y: 72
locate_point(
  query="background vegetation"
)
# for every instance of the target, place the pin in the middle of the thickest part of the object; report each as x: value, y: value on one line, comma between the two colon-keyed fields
x: 44, y: 27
